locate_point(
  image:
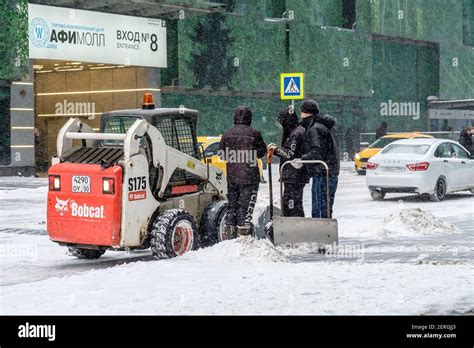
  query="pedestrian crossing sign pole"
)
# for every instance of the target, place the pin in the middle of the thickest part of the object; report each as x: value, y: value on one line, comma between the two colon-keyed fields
x: 292, y: 87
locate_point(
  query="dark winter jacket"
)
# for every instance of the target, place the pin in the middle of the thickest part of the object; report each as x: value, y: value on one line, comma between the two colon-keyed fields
x: 320, y: 143
x: 465, y: 139
x: 240, y: 146
x: 291, y: 148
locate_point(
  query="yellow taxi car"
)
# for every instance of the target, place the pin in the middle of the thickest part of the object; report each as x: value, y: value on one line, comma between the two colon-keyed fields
x: 360, y: 159
x: 210, y: 146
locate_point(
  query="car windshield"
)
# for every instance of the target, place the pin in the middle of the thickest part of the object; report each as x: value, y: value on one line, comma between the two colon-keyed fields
x: 382, y: 142
x: 407, y: 149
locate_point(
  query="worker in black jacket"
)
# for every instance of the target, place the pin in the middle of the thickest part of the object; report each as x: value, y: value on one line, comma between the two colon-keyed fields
x: 241, y: 146
x: 465, y: 139
x: 294, y: 179
x: 320, y: 143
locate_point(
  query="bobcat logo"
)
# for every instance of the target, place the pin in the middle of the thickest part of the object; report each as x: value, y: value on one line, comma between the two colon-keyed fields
x: 219, y: 176
x: 61, y: 206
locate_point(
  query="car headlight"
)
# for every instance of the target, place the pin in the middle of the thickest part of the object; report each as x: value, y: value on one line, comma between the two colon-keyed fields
x: 357, y: 156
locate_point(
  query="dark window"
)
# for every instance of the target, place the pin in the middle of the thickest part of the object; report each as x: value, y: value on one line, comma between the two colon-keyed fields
x: 178, y: 133
x: 444, y: 151
x: 212, y: 149
x: 5, y: 132
x: 118, y: 125
x: 348, y: 13
x: 382, y: 142
x: 459, y: 152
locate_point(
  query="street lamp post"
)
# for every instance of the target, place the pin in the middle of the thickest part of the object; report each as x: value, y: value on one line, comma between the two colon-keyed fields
x: 286, y: 18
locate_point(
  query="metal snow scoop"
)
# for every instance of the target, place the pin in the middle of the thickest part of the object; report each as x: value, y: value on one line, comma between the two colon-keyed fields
x: 293, y: 230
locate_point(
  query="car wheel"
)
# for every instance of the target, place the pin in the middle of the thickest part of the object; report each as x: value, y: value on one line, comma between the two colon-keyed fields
x: 472, y: 190
x: 173, y: 233
x: 439, y: 191
x: 377, y: 195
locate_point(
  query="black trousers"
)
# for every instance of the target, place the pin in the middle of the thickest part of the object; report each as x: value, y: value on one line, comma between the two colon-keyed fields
x: 293, y: 199
x: 241, y: 200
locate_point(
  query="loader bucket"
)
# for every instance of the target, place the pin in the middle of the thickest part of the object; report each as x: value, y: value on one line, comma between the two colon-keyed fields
x: 295, y: 230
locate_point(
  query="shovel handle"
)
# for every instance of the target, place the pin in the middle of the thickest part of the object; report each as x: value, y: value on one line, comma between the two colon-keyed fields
x: 328, y: 196
x: 270, y: 179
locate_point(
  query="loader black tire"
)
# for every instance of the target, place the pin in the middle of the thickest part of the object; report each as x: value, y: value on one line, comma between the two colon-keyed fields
x: 173, y: 233
x: 212, y: 223
x: 86, y: 254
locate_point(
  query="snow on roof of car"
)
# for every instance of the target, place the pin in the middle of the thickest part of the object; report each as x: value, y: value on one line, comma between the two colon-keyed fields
x: 421, y: 141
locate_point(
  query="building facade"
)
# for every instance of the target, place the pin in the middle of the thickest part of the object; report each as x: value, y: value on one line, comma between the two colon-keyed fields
x: 365, y: 61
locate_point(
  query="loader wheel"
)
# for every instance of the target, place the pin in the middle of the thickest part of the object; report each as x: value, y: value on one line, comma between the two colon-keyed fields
x: 88, y: 254
x: 213, y: 223
x: 173, y: 233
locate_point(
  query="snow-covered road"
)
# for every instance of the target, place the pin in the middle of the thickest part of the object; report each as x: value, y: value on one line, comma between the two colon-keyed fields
x: 398, y: 256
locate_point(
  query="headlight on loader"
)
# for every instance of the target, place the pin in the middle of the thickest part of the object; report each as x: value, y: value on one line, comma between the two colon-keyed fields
x: 108, y: 185
x: 54, y: 182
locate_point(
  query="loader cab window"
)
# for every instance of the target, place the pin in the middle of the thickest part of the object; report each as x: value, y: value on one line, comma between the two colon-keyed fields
x: 178, y: 133
x: 117, y: 124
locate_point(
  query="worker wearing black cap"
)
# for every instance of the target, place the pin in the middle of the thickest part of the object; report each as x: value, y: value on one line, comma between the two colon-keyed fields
x: 320, y: 143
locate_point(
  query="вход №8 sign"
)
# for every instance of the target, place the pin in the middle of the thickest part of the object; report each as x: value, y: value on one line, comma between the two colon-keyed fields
x: 68, y: 34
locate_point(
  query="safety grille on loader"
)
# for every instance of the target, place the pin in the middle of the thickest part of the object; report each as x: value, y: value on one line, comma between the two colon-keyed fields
x: 179, y: 133
x: 94, y: 155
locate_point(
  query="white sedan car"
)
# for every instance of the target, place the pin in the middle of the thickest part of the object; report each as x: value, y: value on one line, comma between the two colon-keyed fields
x: 430, y: 167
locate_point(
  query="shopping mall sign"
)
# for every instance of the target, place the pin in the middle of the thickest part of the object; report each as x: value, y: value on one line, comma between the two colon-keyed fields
x: 68, y: 34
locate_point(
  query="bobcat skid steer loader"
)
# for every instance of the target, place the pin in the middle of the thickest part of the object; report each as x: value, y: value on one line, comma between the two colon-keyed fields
x: 136, y: 184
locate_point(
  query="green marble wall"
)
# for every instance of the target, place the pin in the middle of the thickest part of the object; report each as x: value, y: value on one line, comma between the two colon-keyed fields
x: 468, y: 22
x: 403, y: 74
x: 13, y: 39
x: 428, y: 20
x: 456, y: 72
x: 335, y: 61
x: 216, y: 113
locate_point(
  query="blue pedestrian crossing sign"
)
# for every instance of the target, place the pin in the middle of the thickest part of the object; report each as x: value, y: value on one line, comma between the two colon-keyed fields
x: 291, y: 86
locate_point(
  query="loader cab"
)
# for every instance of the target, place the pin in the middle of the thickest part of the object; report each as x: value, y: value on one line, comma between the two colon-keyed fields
x: 178, y: 127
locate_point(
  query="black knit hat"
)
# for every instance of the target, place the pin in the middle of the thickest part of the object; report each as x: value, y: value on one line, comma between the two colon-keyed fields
x: 310, y: 106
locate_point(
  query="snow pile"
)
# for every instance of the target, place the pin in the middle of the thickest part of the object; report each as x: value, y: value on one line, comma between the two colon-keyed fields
x: 415, y: 222
x: 243, y: 249
x: 300, y: 249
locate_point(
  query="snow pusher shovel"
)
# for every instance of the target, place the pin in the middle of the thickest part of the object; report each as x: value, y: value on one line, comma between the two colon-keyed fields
x: 293, y: 230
